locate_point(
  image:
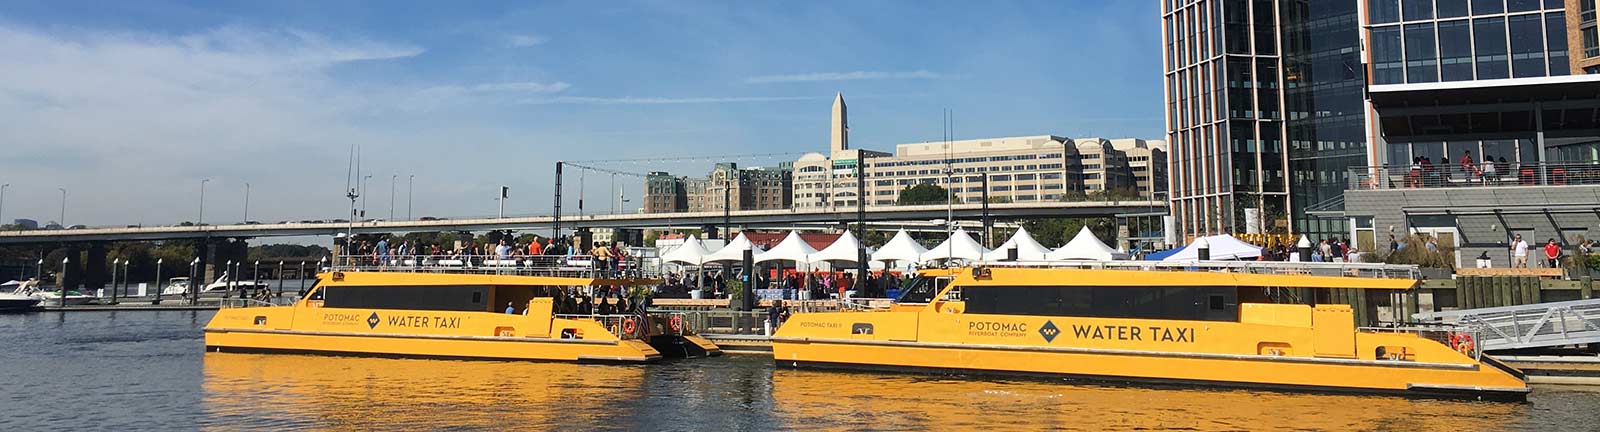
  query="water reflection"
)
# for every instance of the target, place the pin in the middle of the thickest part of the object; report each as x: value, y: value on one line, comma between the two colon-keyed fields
x: 904, y: 402
x: 324, y: 392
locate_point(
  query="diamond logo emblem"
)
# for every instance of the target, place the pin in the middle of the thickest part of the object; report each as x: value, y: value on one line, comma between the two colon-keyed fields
x: 1049, y: 331
x: 372, y: 321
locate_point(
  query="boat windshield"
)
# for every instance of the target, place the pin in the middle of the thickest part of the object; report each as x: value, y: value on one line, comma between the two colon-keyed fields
x: 922, y: 289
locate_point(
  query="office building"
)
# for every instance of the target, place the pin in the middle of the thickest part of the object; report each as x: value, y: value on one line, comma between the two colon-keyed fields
x: 1481, y: 130
x: 1020, y: 169
x: 740, y: 188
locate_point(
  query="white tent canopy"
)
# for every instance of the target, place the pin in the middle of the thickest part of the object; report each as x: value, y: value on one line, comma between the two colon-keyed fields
x: 842, y: 250
x: 1028, y: 249
x: 792, y: 248
x: 1085, y: 246
x: 1223, y: 247
x: 734, y: 251
x: 692, y: 251
x: 959, y: 245
x: 900, y: 248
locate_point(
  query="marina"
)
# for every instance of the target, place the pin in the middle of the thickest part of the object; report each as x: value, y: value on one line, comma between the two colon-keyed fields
x: 142, y: 371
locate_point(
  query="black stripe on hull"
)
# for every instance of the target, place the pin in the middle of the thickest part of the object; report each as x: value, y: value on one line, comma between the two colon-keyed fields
x: 1423, y: 393
x: 243, y: 350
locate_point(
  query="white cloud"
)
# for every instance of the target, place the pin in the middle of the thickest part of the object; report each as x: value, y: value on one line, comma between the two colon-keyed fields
x: 842, y: 76
x: 630, y: 100
x: 128, y: 119
x: 523, y: 41
x: 524, y: 87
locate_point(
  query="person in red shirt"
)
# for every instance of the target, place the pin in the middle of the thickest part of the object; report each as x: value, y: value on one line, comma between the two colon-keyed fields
x: 534, y: 248
x: 1466, y: 164
x: 1552, y: 253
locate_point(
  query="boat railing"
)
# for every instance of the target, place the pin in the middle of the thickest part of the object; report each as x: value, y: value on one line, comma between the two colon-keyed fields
x: 578, y: 266
x: 725, y: 322
x: 1462, y: 338
x: 1362, y: 270
x: 231, y: 303
x: 617, y: 324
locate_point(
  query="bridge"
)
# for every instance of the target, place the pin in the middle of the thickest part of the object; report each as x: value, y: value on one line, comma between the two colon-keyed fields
x: 743, y: 218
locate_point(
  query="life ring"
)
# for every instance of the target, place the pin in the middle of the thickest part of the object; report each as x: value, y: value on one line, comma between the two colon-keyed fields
x: 629, y: 326
x: 1462, y: 343
x: 676, y: 323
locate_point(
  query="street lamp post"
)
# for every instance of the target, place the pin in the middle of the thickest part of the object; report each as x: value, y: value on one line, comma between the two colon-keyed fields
x: 255, y: 275
x: 392, y: 179
x: 301, y: 273
x: 201, y: 220
x: 246, y: 202
x: 159, y: 288
x: 410, y: 184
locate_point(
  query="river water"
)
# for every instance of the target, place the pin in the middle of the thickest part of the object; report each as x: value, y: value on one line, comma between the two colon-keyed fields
x: 147, y: 371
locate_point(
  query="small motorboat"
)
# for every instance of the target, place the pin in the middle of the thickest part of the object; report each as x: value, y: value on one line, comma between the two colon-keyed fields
x: 179, y: 286
x: 13, y: 302
x: 32, y: 289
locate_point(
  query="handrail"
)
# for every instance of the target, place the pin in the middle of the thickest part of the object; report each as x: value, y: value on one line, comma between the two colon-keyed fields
x: 1364, y: 270
x: 231, y: 303
x: 579, y: 266
x: 1448, y: 334
x: 1477, y: 174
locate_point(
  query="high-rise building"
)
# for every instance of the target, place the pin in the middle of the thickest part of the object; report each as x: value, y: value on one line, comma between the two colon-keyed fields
x: 1226, y: 129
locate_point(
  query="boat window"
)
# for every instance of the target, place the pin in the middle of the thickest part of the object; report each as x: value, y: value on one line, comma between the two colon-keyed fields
x: 1174, y: 303
x: 451, y: 298
x: 923, y: 289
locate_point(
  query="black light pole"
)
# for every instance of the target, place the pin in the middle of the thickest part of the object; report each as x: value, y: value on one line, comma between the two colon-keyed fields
x: 555, y: 220
x: 727, y: 215
x: 301, y: 273
x: 860, y: 284
x: 988, y: 227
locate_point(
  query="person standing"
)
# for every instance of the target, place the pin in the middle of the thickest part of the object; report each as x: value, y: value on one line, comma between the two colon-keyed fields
x: 510, y: 310
x: 1552, y: 253
x: 1519, y: 252
x: 1394, y: 245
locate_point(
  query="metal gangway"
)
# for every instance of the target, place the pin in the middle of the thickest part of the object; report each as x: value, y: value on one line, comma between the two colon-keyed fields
x: 1527, y: 326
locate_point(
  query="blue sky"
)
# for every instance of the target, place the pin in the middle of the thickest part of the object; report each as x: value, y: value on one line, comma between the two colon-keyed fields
x: 130, y: 104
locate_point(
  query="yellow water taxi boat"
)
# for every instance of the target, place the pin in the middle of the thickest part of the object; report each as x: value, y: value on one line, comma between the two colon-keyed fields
x: 447, y: 308
x: 1232, y: 324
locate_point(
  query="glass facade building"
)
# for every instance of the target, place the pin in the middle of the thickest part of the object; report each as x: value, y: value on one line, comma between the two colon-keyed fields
x: 1264, y: 112
x: 1459, y: 81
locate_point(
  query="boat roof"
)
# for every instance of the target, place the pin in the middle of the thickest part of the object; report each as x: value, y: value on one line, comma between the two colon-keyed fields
x: 413, y: 278
x: 1193, y: 273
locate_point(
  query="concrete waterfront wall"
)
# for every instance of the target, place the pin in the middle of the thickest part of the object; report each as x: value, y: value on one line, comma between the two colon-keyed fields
x: 1484, y: 217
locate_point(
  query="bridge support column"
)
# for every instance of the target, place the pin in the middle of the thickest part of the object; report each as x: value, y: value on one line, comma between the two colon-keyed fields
x: 95, y: 271
x: 70, y: 275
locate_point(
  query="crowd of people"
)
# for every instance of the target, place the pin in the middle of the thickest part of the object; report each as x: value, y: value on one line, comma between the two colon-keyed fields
x: 606, y: 257
x: 1424, y: 173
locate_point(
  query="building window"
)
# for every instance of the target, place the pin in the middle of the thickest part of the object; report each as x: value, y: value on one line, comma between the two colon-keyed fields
x: 1383, y: 11
x: 1417, y: 9
x: 1488, y: 36
x: 1386, y: 56
x: 1452, y: 8
x: 1484, y: 7
x: 1527, y: 46
x: 1555, y: 30
x: 1522, y: 5
x: 1422, y: 64
x: 1455, y: 50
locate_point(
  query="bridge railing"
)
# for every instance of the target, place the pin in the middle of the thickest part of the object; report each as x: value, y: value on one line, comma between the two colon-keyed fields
x: 578, y: 266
